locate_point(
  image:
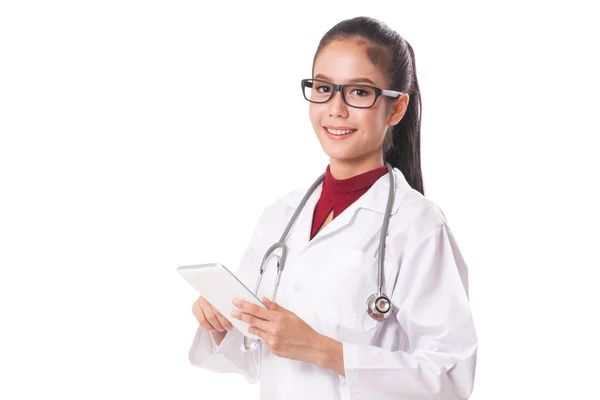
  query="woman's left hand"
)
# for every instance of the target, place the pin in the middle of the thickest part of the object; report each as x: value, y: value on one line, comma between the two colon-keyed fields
x: 286, y: 334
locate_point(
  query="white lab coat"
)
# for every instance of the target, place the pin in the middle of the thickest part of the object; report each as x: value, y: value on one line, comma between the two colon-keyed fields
x: 426, y: 348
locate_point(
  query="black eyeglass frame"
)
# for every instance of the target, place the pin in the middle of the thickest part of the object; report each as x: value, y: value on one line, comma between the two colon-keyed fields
x: 340, y: 88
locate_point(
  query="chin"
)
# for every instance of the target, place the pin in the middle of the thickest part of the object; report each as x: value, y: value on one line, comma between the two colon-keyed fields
x: 339, y: 154
x: 344, y: 150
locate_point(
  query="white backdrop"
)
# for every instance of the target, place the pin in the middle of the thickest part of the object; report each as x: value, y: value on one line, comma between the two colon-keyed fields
x: 133, y: 141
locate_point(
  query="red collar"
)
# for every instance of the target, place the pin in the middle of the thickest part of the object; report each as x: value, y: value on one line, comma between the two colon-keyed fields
x: 344, y: 187
x: 339, y: 194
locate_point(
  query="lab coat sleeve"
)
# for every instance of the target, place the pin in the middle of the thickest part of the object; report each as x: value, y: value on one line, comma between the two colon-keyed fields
x: 227, y: 357
x: 431, y: 298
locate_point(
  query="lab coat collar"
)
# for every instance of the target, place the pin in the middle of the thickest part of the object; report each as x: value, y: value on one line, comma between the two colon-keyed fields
x: 374, y: 199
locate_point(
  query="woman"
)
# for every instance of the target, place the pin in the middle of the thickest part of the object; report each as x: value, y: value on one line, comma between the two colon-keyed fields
x: 318, y: 341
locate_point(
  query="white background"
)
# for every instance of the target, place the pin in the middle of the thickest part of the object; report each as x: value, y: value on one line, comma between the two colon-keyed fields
x: 133, y: 141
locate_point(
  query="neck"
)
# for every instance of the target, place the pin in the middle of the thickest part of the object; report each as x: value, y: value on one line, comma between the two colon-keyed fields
x: 343, y: 169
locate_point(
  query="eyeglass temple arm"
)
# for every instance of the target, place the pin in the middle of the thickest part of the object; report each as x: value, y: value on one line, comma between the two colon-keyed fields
x: 391, y: 93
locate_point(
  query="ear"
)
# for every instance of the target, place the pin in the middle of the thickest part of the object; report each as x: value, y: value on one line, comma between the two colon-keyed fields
x: 398, y: 110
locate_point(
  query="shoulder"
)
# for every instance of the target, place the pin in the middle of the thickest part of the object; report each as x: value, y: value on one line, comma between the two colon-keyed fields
x: 415, y: 215
x: 411, y: 204
x: 418, y: 208
x: 279, y: 211
x: 287, y: 201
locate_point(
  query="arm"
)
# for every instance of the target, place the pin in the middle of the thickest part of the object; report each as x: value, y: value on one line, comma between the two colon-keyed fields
x: 220, y: 351
x: 330, y: 355
x: 218, y: 337
x: 224, y: 357
x: 433, y: 309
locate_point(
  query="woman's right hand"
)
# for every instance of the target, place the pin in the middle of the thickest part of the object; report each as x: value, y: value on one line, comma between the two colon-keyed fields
x: 208, y: 317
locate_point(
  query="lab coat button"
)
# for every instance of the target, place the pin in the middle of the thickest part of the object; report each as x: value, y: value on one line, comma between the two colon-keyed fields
x: 297, y: 288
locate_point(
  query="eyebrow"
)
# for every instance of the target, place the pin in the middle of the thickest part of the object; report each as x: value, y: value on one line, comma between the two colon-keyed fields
x: 353, y: 80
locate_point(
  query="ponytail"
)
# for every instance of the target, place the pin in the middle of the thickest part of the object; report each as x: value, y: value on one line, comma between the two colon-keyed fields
x: 402, y: 147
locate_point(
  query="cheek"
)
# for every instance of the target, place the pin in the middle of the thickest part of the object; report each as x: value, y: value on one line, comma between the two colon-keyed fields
x: 372, y: 126
x: 377, y: 119
x: 314, y: 115
x: 367, y: 121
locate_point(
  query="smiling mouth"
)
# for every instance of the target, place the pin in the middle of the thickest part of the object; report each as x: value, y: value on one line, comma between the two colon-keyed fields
x: 340, y: 132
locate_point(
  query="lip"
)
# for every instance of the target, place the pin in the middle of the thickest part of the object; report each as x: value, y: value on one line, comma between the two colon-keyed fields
x: 331, y: 136
x: 341, y: 128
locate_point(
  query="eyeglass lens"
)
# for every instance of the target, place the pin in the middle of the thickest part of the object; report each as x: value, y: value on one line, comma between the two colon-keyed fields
x: 356, y: 95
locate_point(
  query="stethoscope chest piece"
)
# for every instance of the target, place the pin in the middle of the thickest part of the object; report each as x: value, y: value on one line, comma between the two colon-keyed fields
x: 378, y: 306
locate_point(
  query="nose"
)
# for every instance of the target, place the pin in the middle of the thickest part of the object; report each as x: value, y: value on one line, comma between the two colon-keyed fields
x: 337, y: 107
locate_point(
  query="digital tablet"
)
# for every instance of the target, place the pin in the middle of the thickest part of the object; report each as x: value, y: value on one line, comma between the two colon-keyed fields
x: 220, y: 286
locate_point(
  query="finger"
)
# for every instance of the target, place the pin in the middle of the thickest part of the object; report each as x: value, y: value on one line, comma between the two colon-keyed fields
x: 195, y: 309
x: 224, y: 321
x: 210, y: 315
x: 272, y: 343
x: 252, y: 320
x: 253, y: 309
x: 259, y: 332
x: 198, y: 313
x: 203, y: 321
x: 271, y: 305
x: 212, y: 318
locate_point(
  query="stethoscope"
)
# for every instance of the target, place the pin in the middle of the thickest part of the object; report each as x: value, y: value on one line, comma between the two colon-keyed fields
x: 378, y: 304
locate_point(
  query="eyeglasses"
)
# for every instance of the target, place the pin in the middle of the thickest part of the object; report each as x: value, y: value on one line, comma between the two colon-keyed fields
x: 353, y: 95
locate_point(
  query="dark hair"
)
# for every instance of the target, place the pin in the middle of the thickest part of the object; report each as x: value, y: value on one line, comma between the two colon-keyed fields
x: 390, y: 51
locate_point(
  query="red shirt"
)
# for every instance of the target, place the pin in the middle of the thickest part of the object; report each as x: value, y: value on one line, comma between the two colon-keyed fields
x: 338, y: 194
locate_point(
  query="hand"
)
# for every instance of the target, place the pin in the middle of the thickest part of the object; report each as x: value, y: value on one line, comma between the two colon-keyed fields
x: 286, y: 334
x: 208, y: 317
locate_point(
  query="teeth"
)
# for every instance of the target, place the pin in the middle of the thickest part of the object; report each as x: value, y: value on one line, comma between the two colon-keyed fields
x: 340, y: 132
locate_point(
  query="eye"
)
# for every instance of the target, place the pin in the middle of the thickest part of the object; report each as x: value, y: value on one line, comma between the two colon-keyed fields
x: 327, y: 88
x: 360, y: 92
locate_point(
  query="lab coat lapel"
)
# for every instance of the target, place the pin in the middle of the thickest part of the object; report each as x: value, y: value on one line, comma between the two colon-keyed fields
x: 339, y: 222
x: 299, y: 236
x: 374, y: 199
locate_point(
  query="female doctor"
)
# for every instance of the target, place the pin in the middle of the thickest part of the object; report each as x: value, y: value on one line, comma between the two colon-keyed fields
x: 317, y: 339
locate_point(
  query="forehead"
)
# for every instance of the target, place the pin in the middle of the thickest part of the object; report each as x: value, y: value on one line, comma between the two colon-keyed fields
x: 345, y: 60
